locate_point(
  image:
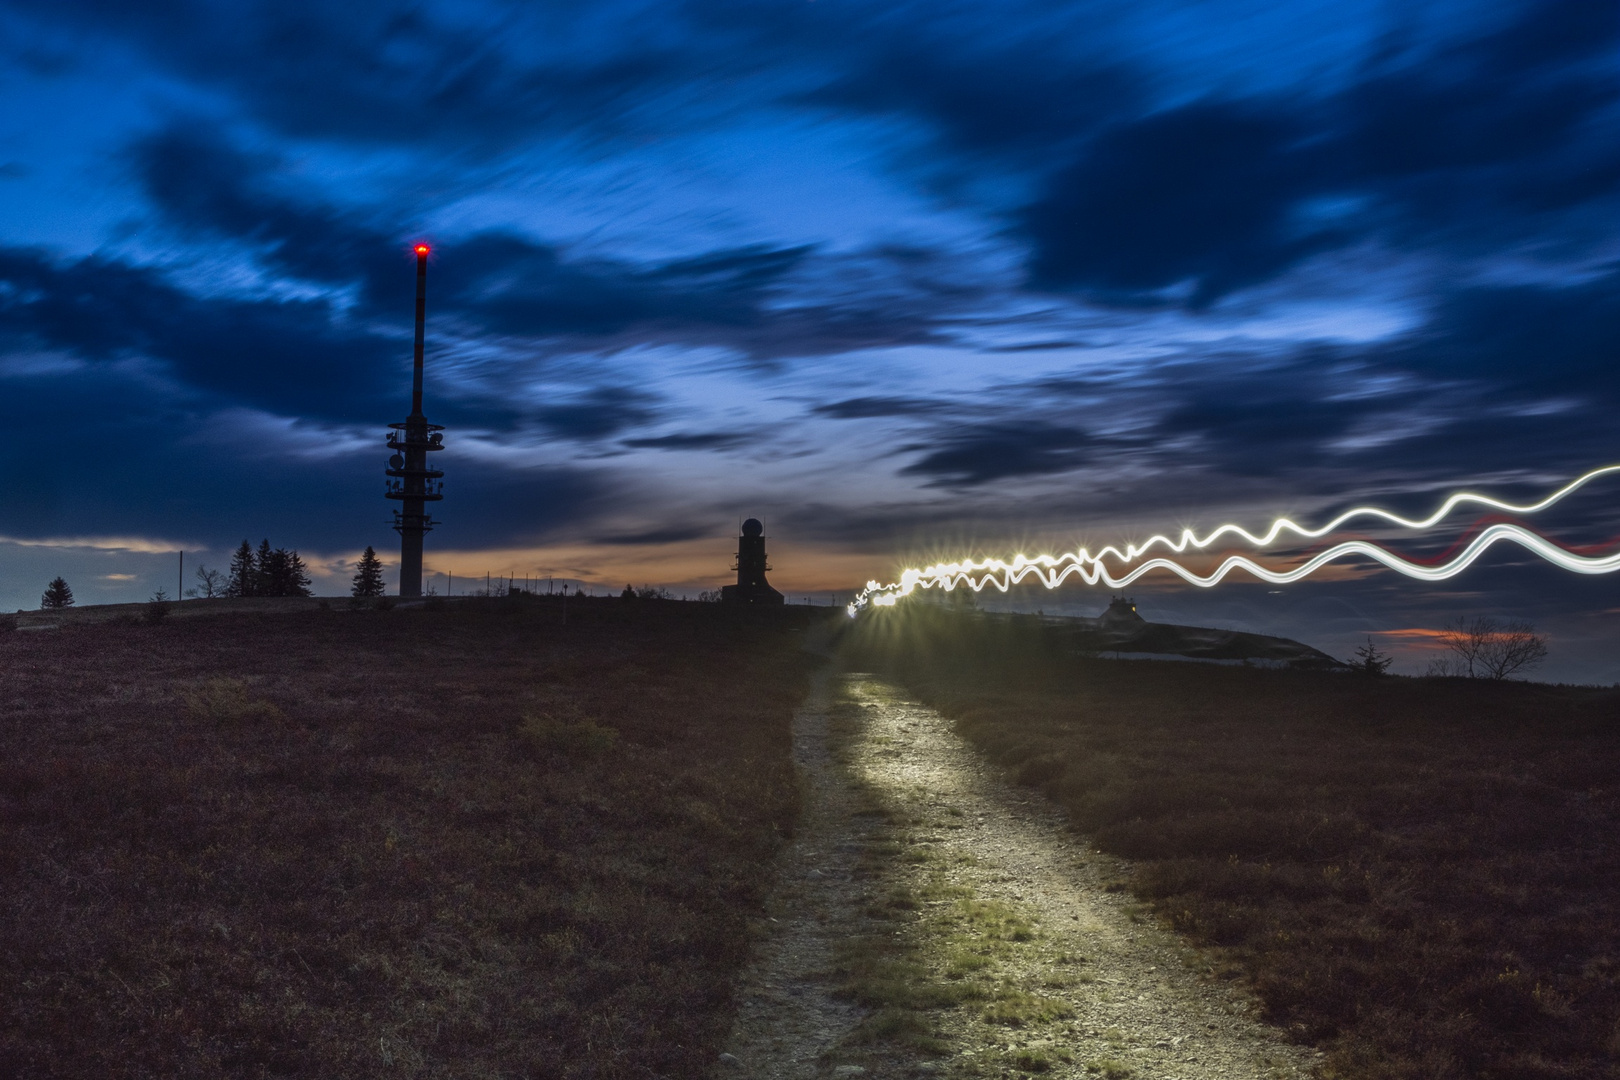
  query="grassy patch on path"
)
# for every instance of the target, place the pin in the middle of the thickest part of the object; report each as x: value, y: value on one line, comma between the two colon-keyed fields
x: 464, y: 840
x: 1421, y: 876
x: 944, y: 972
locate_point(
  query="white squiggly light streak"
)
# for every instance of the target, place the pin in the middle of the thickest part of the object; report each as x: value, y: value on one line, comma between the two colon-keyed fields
x: 1053, y: 570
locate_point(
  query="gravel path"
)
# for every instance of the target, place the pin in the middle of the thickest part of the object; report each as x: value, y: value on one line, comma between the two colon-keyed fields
x: 788, y: 1021
x: 1007, y: 955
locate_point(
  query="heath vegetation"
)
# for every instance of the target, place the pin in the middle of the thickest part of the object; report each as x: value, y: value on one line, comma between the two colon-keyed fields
x: 459, y: 840
x: 1420, y: 876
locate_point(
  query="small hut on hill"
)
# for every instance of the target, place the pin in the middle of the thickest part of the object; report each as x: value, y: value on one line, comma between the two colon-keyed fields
x: 1121, y: 614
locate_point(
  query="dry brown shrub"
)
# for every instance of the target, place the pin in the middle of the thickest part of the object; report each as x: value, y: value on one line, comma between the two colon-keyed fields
x: 227, y: 701
x: 547, y: 735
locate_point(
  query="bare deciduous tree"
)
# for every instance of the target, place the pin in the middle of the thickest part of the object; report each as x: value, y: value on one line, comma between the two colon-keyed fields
x: 210, y: 583
x: 1488, y: 648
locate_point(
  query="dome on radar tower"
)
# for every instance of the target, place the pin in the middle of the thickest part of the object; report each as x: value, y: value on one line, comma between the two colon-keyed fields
x: 752, y: 527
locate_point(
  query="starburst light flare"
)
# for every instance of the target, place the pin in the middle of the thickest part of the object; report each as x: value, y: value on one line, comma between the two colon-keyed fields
x: 1053, y: 570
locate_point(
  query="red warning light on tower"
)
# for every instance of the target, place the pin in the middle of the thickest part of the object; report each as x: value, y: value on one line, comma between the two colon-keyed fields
x: 421, y: 249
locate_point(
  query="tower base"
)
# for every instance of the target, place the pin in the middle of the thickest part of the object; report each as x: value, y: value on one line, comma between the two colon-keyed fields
x: 760, y: 594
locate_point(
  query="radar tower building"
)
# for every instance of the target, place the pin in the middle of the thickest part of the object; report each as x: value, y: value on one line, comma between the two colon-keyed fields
x: 751, y: 587
x: 412, y: 483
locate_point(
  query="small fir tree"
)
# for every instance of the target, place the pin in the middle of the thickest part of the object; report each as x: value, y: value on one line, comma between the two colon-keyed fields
x: 244, y: 577
x: 1369, y: 661
x: 57, y: 595
x: 369, y: 579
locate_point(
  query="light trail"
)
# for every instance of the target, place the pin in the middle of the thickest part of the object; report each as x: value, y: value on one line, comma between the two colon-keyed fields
x: 1189, y: 538
x: 1053, y: 570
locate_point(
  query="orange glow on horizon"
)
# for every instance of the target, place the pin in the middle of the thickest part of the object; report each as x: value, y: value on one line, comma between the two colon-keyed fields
x: 693, y: 565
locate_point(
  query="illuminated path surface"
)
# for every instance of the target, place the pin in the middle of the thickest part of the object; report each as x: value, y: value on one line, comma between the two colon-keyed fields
x: 1053, y: 570
x: 887, y: 781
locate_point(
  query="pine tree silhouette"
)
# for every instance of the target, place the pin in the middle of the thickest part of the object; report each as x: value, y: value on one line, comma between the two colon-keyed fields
x: 244, y: 579
x: 264, y: 570
x: 57, y: 595
x: 369, y: 580
x: 267, y: 572
x: 280, y: 572
x: 296, y: 582
x: 1369, y: 661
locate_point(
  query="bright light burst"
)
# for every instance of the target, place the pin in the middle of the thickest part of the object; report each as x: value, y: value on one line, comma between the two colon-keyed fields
x: 1053, y: 570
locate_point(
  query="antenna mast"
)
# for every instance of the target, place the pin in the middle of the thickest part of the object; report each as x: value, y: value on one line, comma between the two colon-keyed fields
x: 412, y: 482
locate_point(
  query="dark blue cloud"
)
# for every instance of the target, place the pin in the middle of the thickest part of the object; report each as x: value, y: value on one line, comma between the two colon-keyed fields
x: 293, y: 356
x: 1523, y: 94
x: 981, y: 453
x: 1202, y: 194
x: 708, y: 440
x: 204, y: 187
x: 1544, y: 338
x: 1472, y: 146
x: 109, y: 453
x: 501, y: 283
x: 672, y: 535
x: 510, y: 285
x: 504, y: 283
x: 597, y: 414
x: 865, y: 408
x: 1000, y: 80
x: 981, y: 86
x: 1262, y: 424
x: 377, y: 73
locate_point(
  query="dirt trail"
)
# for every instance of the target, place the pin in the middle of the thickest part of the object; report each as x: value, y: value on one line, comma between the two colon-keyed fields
x: 789, y: 1020
x: 930, y: 919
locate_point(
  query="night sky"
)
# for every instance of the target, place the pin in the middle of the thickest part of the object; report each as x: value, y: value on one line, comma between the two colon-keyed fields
x: 905, y: 281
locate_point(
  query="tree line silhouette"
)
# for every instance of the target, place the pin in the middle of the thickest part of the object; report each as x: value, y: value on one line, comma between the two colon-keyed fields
x: 267, y: 572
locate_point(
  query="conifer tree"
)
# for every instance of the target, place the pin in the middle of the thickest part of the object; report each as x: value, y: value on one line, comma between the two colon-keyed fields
x: 264, y: 570
x: 272, y: 571
x: 369, y: 580
x: 243, y: 574
x: 1369, y: 661
x: 57, y: 595
x: 295, y: 579
x: 281, y: 572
